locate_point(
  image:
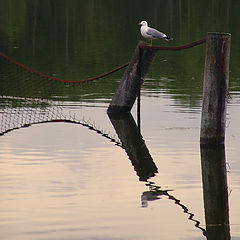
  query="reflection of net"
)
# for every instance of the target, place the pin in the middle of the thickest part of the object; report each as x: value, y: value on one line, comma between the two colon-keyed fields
x: 27, y: 114
x: 18, y: 112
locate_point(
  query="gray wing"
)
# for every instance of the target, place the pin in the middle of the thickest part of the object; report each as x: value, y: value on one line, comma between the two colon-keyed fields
x: 155, y: 33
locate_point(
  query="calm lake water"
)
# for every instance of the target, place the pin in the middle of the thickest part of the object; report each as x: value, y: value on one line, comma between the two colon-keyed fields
x: 66, y: 174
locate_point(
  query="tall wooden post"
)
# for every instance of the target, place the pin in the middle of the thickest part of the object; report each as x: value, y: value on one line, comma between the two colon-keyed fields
x: 132, y: 80
x: 215, y: 87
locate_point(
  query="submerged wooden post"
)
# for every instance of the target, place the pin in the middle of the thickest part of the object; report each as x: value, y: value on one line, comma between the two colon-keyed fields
x: 215, y: 87
x: 134, y: 145
x: 215, y: 192
x: 132, y: 80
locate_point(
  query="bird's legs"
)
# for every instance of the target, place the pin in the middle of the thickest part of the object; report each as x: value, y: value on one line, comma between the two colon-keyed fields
x: 150, y: 44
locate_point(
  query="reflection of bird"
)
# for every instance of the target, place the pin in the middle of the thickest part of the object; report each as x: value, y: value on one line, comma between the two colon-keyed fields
x: 150, y: 196
x: 151, y: 33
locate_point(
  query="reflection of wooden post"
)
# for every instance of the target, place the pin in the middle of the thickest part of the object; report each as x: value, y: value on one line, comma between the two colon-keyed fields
x: 215, y: 193
x: 134, y: 145
x: 132, y: 80
x: 215, y: 88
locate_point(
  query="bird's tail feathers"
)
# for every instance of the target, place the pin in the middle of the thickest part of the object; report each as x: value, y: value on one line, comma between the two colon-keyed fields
x: 168, y: 38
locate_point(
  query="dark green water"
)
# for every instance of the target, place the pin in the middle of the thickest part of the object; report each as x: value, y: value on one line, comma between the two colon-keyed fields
x: 65, y: 181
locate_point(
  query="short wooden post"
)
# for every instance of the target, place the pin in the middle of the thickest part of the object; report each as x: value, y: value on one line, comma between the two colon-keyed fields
x: 132, y: 80
x: 215, y: 87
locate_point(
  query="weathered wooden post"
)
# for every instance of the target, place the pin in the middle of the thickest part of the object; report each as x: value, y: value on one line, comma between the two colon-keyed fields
x: 132, y: 80
x: 215, y: 87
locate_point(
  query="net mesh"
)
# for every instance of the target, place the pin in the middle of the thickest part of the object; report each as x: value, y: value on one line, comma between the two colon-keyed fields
x: 27, y: 97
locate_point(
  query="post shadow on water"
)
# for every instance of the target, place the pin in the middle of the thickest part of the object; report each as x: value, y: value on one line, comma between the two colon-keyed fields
x: 215, y: 192
x: 214, y: 177
x: 134, y: 145
x: 139, y: 155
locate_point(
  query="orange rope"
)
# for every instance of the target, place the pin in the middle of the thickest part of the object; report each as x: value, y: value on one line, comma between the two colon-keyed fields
x: 176, y: 48
x: 61, y: 80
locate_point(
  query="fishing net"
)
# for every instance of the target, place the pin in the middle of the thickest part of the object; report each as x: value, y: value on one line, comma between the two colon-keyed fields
x: 28, y: 97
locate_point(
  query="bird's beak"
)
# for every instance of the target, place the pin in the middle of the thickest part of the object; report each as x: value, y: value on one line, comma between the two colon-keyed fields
x: 139, y: 24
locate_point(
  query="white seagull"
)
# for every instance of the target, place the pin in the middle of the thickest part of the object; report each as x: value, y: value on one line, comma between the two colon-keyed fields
x: 151, y: 33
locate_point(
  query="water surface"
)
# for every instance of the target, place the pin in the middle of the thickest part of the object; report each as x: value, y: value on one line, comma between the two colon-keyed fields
x: 66, y: 174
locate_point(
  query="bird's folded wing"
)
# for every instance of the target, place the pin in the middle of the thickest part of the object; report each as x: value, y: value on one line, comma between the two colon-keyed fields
x: 155, y: 33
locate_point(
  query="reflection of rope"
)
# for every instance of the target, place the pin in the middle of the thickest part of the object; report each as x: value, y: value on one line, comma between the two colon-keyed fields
x: 61, y: 80
x: 185, y: 209
x: 155, y: 190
